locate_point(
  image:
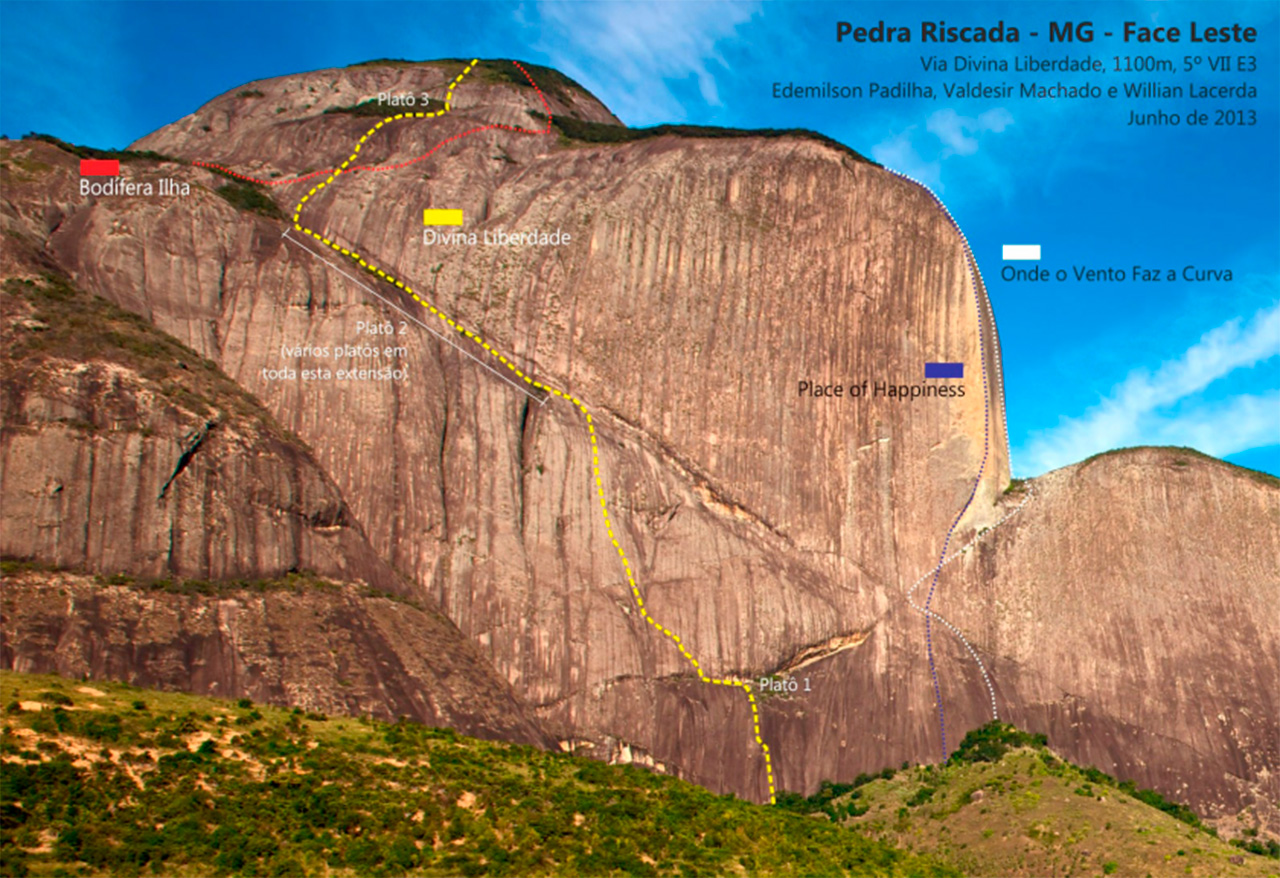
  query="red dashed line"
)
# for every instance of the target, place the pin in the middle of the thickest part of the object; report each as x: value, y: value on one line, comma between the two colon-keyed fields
x: 426, y: 155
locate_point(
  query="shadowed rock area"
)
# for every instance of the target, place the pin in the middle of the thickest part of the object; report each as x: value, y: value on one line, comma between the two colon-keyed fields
x: 332, y: 650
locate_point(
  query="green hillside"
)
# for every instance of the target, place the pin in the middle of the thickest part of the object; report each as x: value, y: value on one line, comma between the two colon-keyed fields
x: 102, y: 778
x: 1006, y: 805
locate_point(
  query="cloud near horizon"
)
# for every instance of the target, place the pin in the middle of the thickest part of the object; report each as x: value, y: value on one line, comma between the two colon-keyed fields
x: 1160, y: 408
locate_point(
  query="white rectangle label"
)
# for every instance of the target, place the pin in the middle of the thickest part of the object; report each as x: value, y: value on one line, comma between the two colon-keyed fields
x: 1022, y: 251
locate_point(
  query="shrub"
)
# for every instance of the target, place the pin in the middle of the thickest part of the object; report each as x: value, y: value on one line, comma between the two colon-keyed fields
x: 251, y: 197
x: 827, y: 791
x: 1270, y: 848
x: 920, y: 796
x: 990, y: 742
x: 1174, y: 809
x: 102, y: 728
x: 62, y: 720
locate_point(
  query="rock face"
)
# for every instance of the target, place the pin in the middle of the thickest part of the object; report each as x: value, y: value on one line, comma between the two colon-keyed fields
x: 328, y: 650
x: 706, y: 277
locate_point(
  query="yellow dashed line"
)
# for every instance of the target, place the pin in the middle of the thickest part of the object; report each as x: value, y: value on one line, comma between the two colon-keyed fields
x: 591, y: 430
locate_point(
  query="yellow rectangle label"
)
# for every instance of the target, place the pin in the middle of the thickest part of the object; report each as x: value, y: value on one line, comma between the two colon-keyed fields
x: 441, y: 216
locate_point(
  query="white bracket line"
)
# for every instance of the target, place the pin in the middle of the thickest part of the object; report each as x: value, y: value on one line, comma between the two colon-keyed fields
x: 371, y: 291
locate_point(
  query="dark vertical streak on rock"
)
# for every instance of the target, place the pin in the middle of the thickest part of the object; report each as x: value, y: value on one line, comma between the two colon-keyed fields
x: 168, y: 560
x: 297, y: 505
x: 88, y: 502
x: 397, y: 516
x: 443, y: 449
x: 522, y: 463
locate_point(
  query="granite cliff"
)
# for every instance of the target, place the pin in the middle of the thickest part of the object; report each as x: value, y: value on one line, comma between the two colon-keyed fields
x: 707, y: 275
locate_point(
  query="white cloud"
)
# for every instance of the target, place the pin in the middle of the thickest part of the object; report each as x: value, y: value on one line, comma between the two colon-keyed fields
x: 1143, y: 409
x: 898, y: 153
x: 625, y: 53
x: 912, y: 153
x: 959, y: 133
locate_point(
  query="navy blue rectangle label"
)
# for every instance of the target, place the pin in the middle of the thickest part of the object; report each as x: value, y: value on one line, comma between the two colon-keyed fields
x: 944, y: 370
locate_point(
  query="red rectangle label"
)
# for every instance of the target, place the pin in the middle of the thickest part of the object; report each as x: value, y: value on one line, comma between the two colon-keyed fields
x: 99, y: 167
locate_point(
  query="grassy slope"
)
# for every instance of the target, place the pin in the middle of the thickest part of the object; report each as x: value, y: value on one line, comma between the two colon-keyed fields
x: 1037, y: 815
x: 122, y: 779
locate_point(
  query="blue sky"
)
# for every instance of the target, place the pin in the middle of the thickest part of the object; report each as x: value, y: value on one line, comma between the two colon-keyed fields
x: 1087, y: 366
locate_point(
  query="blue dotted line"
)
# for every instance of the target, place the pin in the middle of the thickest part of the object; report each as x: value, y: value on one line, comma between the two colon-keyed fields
x: 986, y: 447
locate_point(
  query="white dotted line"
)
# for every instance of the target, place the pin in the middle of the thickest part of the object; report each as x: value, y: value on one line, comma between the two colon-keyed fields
x: 999, y: 364
x: 995, y: 713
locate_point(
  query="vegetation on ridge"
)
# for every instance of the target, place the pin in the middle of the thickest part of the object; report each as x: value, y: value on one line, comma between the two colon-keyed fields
x: 1182, y: 456
x: 294, y: 582
x: 553, y: 83
x: 596, y: 132
x: 240, y: 193
x: 89, y: 152
x: 108, y: 778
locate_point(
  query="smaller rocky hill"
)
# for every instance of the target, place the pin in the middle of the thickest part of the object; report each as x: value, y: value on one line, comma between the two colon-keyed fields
x: 1005, y: 804
x: 123, y: 450
x: 161, y: 527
